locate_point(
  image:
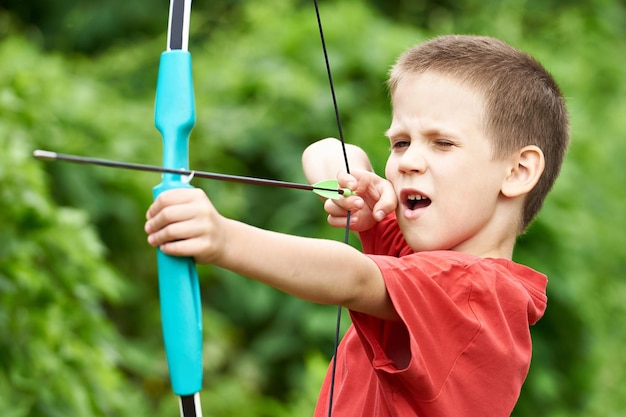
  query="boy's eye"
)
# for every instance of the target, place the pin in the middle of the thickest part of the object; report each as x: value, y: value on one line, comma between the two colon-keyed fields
x: 442, y: 143
x: 400, y: 143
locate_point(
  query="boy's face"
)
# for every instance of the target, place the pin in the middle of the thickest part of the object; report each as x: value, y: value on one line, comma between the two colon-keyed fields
x: 441, y: 166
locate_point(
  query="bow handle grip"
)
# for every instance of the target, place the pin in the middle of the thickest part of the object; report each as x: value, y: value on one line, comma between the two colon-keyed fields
x: 181, y: 320
x: 179, y: 290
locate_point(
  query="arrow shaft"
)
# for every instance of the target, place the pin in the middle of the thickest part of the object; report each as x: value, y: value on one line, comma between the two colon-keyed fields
x: 54, y: 156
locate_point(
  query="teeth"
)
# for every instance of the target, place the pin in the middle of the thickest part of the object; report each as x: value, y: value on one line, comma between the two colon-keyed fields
x: 415, y: 197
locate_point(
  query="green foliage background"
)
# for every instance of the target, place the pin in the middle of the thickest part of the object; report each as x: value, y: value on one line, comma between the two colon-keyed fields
x: 79, y: 320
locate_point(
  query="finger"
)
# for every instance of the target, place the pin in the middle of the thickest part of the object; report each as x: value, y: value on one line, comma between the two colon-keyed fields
x: 189, y: 247
x: 168, y: 215
x: 386, y: 204
x: 174, y: 197
x: 335, y: 207
x: 175, y: 206
x: 180, y: 227
x: 346, y: 180
x: 340, y: 221
x: 162, y: 236
x: 340, y: 206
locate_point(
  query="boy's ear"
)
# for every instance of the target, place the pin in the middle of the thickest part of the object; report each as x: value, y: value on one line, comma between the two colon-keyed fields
x: 525, y: 170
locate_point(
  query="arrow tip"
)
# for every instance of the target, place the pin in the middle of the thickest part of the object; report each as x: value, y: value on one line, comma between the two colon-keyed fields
x: 41, y: 154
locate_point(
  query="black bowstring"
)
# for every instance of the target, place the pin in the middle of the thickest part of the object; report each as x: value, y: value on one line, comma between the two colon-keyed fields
x: 347, y: 229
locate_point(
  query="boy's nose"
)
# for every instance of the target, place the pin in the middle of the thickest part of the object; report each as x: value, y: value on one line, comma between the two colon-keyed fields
x: 412, y: 160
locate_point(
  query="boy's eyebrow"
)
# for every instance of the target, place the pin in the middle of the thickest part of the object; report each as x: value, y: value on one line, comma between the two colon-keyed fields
x: 428, y: 132
x: 393, y: 130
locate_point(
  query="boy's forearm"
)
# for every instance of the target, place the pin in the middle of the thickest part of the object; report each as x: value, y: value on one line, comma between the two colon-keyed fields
x: 317, y: 270
x: 324, y: 159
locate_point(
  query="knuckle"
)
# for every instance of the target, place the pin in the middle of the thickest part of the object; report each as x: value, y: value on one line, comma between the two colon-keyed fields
x: 167, y: 215
x: 166, y: 197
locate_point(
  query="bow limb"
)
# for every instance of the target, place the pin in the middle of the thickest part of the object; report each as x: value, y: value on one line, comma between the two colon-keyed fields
x: 179, y: 292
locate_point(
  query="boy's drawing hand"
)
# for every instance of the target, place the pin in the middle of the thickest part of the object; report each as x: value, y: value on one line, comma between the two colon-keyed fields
x: 183, y: 222
x: 375, y: 199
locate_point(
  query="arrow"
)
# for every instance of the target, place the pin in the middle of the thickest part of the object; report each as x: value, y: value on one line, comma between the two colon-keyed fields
x: 327, y: 189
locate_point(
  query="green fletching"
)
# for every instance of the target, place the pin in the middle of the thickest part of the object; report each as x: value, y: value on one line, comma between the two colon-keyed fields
x: 330, y: 189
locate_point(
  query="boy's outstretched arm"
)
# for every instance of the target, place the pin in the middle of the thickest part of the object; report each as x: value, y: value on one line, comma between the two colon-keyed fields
x: 183, y: 222
x: 375, y: 197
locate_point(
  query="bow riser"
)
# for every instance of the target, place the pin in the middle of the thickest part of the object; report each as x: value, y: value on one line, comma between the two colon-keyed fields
x: 181, y: 311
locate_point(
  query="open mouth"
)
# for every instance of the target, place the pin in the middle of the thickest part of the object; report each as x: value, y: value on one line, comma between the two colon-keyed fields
x: 416, y: 201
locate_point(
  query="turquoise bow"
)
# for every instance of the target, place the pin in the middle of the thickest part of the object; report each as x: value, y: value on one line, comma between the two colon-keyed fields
x: 181, y: 309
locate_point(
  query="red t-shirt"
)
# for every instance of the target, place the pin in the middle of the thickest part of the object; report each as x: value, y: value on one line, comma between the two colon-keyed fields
x: 462, y: 347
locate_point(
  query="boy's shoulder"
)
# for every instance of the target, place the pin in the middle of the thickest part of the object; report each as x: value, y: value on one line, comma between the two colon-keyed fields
x: 484, y: 283
x: 444, y: 261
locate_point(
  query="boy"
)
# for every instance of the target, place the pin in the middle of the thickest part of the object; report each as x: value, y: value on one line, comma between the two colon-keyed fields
x: 440, y: 313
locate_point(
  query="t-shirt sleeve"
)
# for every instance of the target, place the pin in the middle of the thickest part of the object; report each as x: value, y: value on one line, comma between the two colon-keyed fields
x: 432, y: 297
